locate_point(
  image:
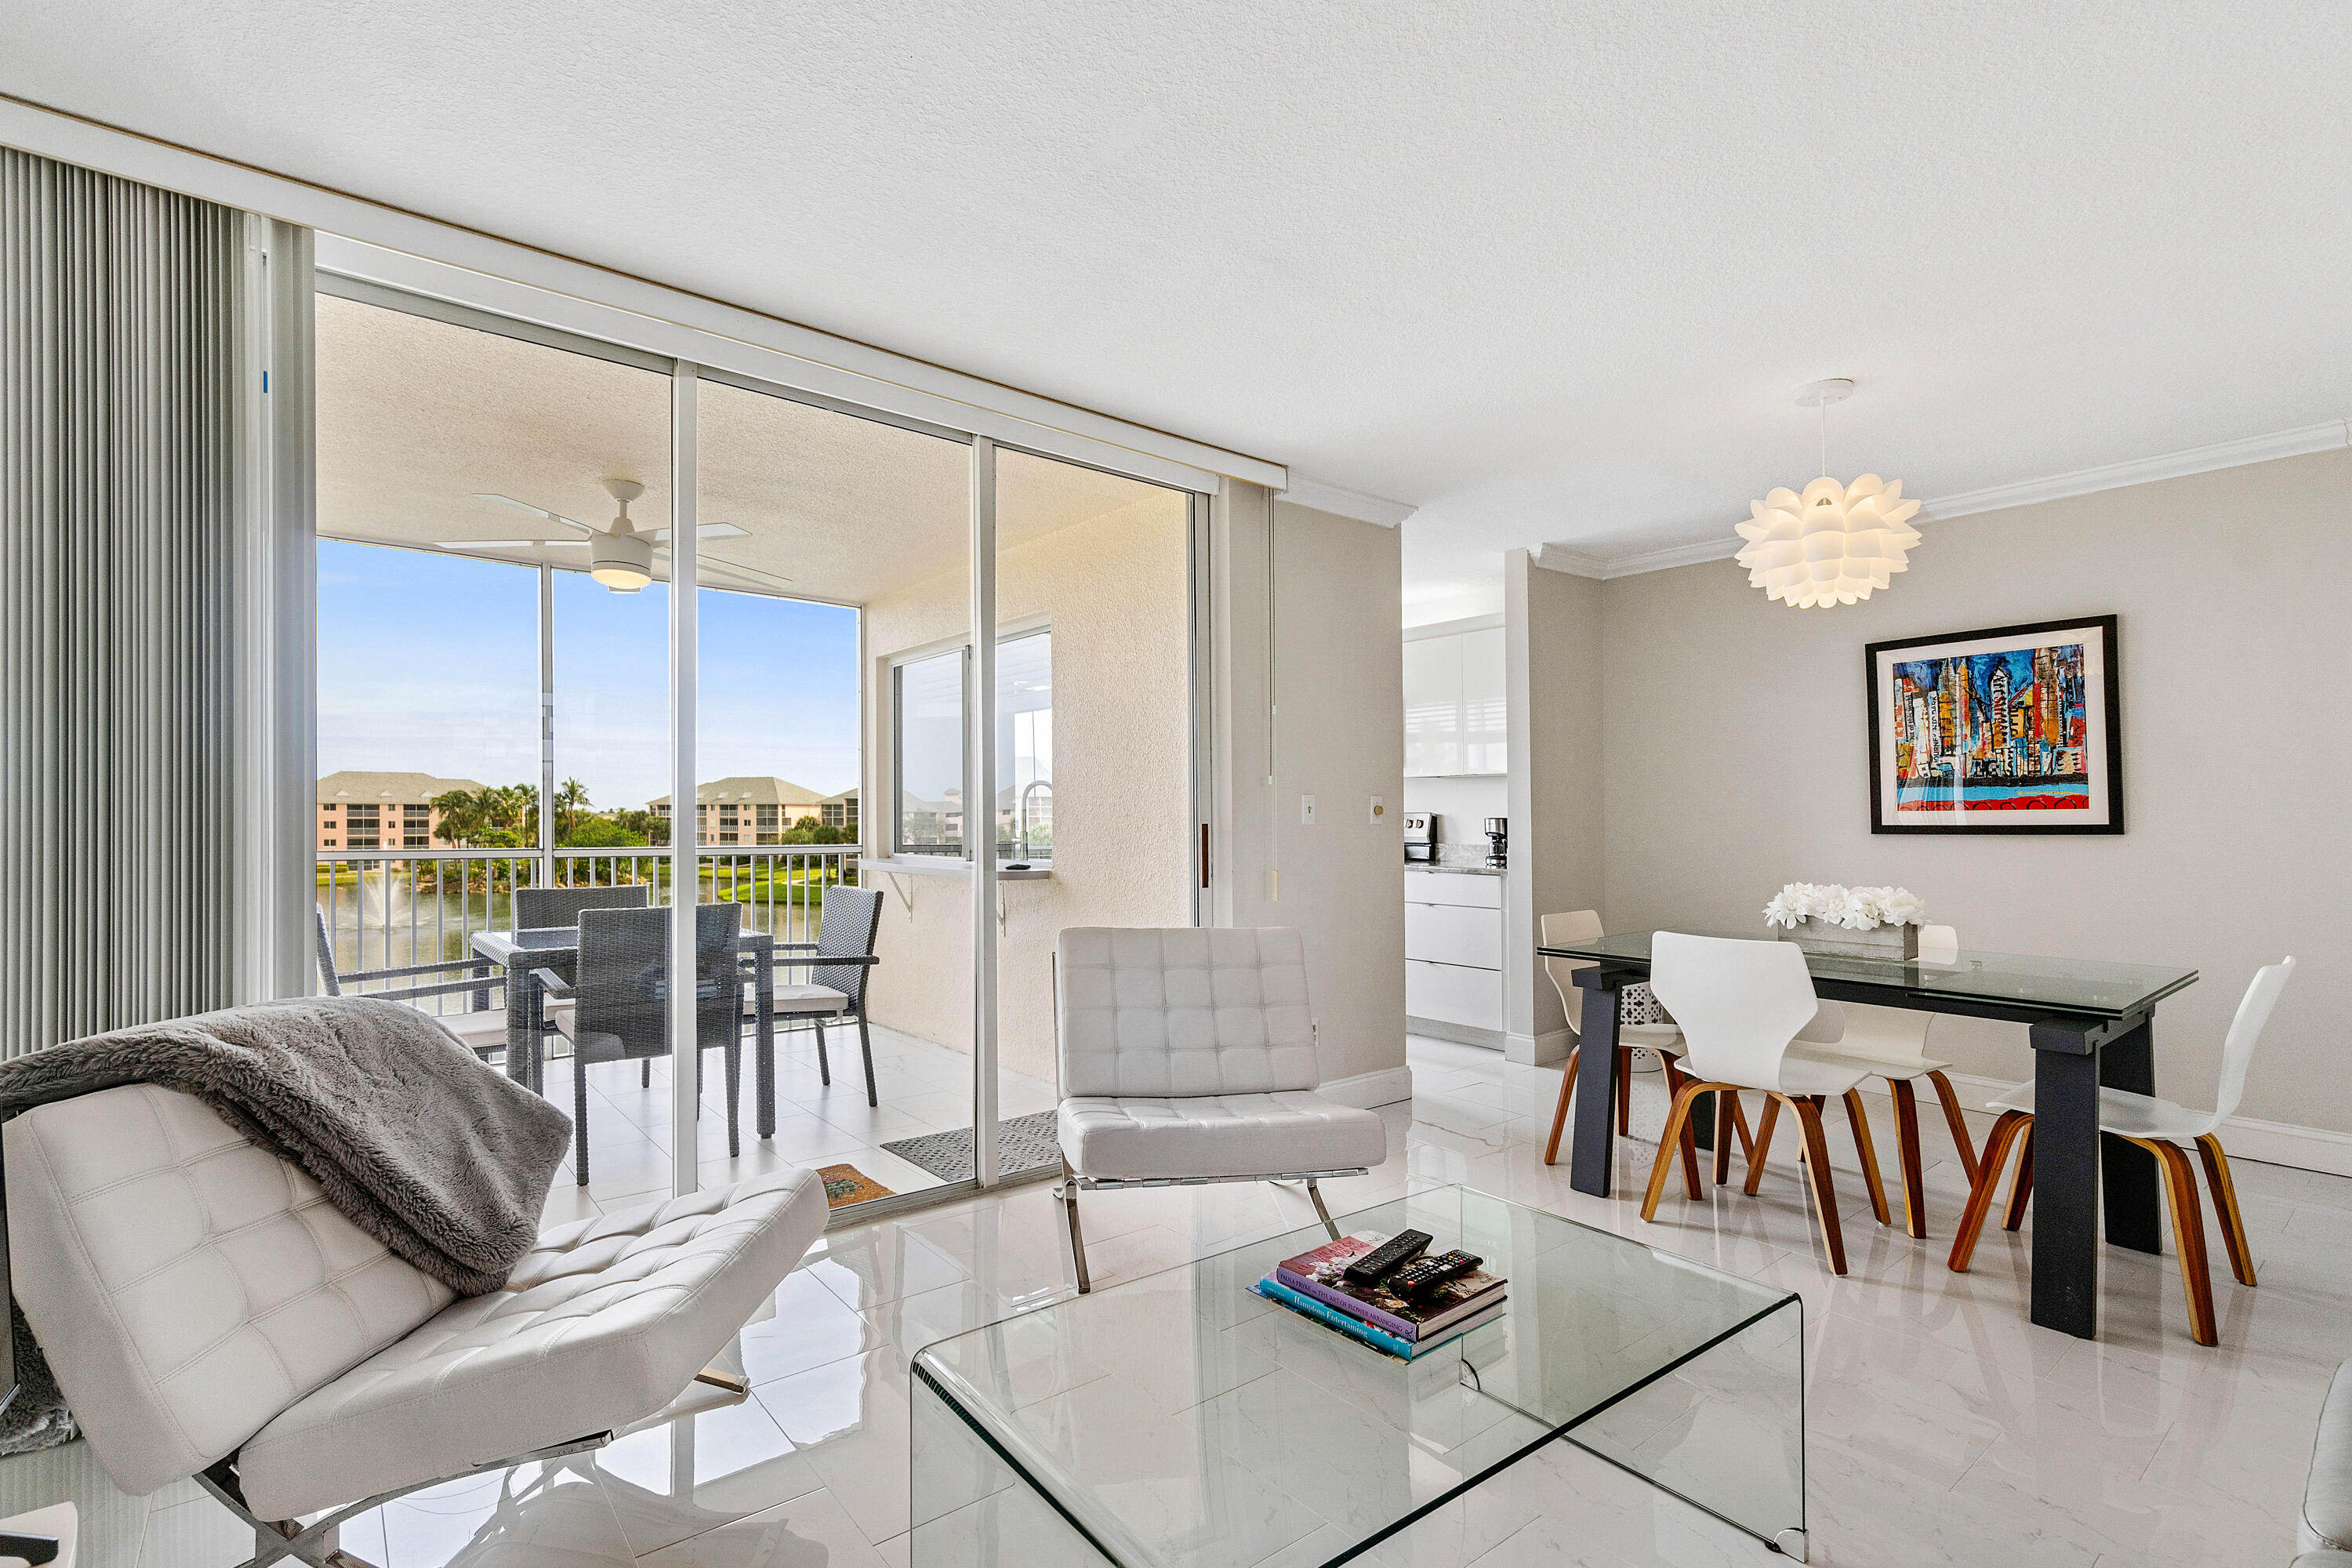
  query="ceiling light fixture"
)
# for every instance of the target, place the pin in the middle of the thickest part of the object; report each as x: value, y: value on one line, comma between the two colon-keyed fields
x: 1835, y: 544
x: 621, y: 558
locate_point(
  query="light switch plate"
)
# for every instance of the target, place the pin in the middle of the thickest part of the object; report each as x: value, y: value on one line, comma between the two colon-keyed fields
x: 1379, y: 812
x: 1306, y: 811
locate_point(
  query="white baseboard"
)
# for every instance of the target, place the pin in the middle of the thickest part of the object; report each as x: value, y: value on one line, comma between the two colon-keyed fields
x: 1367, y: 1089
x: 1538, y: 1050
x: 2242, y: 1137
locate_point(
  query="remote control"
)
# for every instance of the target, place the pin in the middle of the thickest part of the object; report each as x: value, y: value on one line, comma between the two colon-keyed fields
x: 1417, y: 1277
x: 1391, y: 1254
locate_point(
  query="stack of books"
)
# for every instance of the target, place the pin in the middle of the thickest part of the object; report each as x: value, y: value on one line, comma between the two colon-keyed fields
x: 1315, y: 1284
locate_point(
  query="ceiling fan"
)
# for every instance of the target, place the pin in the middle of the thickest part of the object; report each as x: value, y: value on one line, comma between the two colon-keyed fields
x: 621, y: 555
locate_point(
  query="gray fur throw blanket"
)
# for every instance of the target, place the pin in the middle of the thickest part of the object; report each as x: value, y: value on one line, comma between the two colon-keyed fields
x: 442, y: 1159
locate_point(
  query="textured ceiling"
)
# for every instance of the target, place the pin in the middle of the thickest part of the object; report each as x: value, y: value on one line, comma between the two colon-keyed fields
x: 1549, y: 272
x: 418, y: 418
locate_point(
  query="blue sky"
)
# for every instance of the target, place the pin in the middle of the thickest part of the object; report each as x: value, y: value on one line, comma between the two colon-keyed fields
x: 429, y: 663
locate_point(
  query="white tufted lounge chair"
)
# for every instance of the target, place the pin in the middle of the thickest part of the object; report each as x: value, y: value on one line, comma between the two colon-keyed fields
x: 208, y: 1313
x: 1188, y: 1055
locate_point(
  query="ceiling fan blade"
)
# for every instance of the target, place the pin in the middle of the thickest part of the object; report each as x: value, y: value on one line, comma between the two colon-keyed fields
x: 710, y: 531
x: 510, y: 543
x: 709, y: 566
x: 525, y: 506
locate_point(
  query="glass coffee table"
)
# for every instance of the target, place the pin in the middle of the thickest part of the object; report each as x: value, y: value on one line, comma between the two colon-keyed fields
x: 1181, y: 1421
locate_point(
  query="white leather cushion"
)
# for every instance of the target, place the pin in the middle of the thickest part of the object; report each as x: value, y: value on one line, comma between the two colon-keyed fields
x: 797, y: 999
x: 600, y: 1326
x: 186, y: 1284
x: 1180, y: 1010
x: 1218, y: 1135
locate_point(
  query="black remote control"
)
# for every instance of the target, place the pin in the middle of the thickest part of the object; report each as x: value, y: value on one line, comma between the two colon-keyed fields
x: 1391, y: 1254
x: 1414, y: 1277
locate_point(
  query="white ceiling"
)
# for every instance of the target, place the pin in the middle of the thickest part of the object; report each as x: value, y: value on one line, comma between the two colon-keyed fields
x: 1549, y: 272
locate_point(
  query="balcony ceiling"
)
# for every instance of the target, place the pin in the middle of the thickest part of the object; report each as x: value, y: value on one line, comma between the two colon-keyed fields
x: 1549, y: 271
x: 417, y: 417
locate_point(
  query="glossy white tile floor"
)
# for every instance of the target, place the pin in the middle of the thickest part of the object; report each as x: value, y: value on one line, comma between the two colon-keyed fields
x: 1944, y: 1428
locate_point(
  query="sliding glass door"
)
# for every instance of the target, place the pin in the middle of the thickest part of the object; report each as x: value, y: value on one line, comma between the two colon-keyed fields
x: 927, y: 701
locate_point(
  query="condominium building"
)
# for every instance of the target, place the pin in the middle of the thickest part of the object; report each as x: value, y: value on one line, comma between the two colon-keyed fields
x: 753, y: 810
x: 382, y: 811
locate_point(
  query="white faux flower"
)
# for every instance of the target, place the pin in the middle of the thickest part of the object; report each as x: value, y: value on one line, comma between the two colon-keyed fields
x: 1854, y: 909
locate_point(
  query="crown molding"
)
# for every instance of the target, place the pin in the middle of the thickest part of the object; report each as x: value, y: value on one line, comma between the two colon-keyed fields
x: 1344, y: 502
x: 1560, y: 558
x: 2328, y: 434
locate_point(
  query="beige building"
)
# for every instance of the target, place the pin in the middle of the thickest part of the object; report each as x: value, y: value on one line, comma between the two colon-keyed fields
x: 760, y: 810
x: 382, y: 811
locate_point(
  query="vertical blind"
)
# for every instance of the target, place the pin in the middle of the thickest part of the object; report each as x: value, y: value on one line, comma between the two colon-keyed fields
x: 118, y: 444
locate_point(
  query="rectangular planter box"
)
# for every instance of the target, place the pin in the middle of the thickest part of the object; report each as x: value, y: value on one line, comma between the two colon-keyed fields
x: 1896, y: 943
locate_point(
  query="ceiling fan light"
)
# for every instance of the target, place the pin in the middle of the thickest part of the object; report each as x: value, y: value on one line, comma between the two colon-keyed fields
x: 622, y: 561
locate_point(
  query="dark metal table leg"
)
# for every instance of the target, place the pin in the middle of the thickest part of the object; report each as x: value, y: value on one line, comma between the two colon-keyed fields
x: 2129, y: 1173
x: 1593, y: 1157
x: 2065, y: 1181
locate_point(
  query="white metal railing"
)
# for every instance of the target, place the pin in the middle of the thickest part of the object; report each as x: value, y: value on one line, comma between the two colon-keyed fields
x: 388, y: 908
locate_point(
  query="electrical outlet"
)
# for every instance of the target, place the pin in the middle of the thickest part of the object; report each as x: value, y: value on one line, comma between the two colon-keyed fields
x: 1379, y: 812
x: 1306, y: 811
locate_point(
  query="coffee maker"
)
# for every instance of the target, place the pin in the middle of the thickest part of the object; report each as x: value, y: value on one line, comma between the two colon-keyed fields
x: 1499, y: 836
x: 1420, y: 838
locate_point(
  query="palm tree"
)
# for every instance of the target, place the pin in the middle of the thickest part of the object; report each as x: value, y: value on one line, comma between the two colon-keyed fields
x: 571, y: 800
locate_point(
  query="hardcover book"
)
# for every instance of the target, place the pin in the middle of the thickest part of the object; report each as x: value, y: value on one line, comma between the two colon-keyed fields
x: 1320, y: 1274
x: 1331, y: 1317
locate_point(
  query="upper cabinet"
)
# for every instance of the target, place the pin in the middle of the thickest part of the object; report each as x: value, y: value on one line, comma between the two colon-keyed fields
x: 1457, y: 717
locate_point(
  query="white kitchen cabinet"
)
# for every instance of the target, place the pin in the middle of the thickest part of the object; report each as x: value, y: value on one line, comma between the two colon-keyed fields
x: 1453, y: 954
x: 1433, y: 706
x: 1456, y: 716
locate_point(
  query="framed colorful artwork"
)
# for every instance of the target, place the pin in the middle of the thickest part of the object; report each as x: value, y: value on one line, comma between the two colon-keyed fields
x: 2013, y: 730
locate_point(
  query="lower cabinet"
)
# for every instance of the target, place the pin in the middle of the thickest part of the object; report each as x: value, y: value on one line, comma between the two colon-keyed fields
x: 1454, y: 994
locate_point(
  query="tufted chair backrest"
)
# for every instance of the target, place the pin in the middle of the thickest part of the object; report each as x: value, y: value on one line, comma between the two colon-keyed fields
x: 1177, y: 1011
x: 186, y: 1284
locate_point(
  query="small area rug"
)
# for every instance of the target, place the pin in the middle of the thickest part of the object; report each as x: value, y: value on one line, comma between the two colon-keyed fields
x: 1024, y: 1143
x: 847, y: 1184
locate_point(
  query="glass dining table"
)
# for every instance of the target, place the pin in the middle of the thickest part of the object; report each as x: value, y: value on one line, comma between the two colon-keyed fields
x: 2090, y: 1023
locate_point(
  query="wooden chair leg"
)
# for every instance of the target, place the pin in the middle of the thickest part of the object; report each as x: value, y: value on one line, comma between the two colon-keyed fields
x: 2021, y: 1186
x: 1727, y: 1106
x: 2189, y: 1237
x: 1559, y: 1111
x: 1859, y: 1119
x: 1677, y: 1122
x: 1957, y: 1122
x: 1907, y: 1154
x: 1817, y: 1174
x: 1763, y: 1144
x: 1625, y: 1091
x: 1674, y: 1081
x: 2225, y: 1209
x: 1739, y: 1125
x: 1980, y: 1191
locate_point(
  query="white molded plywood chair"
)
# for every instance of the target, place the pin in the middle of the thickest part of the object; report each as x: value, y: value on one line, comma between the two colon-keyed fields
x: 1660, y: 1036
x: 1891, y: 1043
x: 1188, y: 1055
x: 1751, y: 1021
x: 207, y: 1314
x: 2166, y: 1130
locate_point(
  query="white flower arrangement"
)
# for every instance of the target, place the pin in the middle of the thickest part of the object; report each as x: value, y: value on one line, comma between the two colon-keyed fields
x: 1854, y: 909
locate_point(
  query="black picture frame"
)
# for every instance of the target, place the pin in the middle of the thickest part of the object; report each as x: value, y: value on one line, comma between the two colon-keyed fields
x: 2102, y: 751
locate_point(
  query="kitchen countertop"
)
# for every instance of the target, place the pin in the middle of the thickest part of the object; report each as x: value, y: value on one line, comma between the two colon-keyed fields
x: 1458, y: 870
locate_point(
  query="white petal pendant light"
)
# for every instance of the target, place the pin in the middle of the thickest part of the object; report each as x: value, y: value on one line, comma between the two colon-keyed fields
x: 1834, y: 544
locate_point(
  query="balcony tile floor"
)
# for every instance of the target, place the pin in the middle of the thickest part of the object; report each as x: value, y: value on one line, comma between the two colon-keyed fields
x: 1944, y: 1428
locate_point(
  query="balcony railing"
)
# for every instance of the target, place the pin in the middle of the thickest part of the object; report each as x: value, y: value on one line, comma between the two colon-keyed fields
x: 387, y: 909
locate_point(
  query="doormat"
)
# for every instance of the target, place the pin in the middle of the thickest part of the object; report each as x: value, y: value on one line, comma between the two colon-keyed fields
x: 1024, y: 1143
x: 847, y: 1184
